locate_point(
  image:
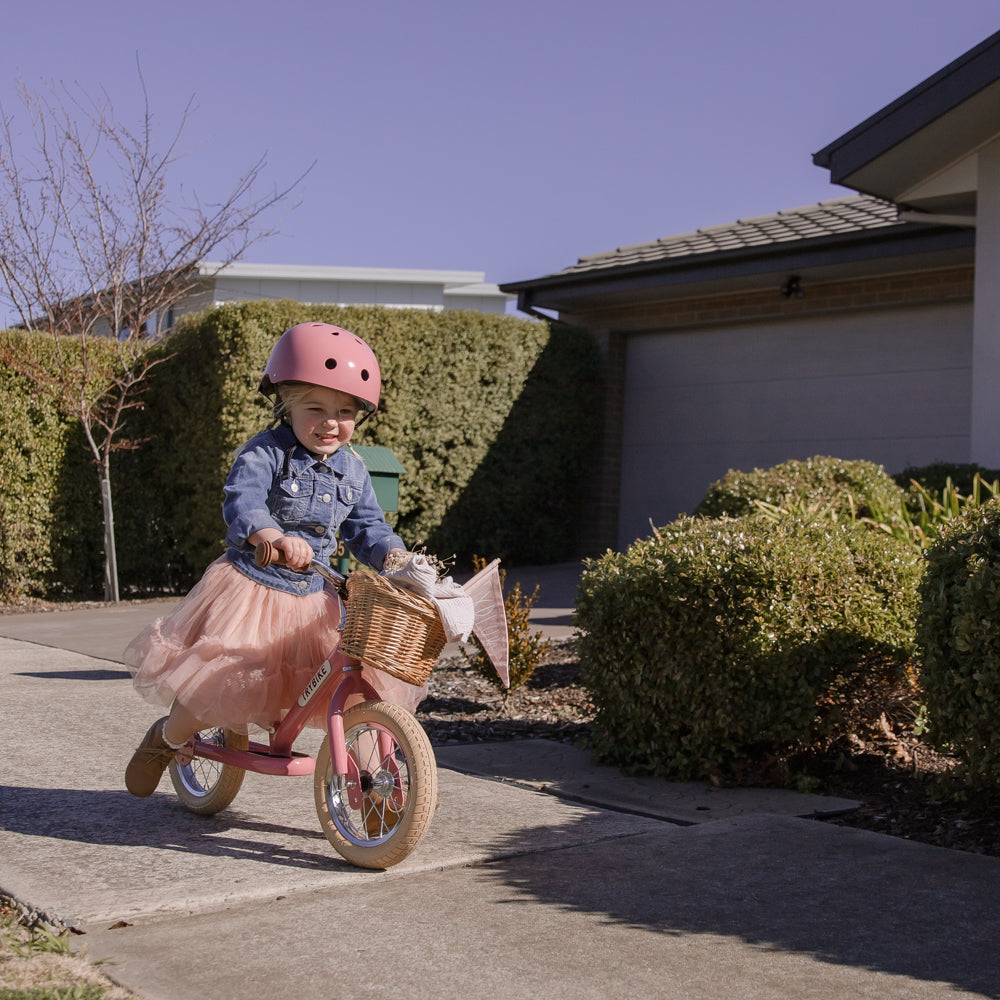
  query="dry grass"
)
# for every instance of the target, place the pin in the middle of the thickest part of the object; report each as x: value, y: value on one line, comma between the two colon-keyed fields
x: 37, y: 962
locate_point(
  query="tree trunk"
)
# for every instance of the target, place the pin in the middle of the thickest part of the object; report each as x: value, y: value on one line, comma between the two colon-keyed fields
x: 110, y: 552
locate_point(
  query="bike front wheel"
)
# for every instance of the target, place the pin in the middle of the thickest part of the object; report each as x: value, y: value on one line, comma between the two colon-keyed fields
x: 206, y: 786
x: 393, y: 783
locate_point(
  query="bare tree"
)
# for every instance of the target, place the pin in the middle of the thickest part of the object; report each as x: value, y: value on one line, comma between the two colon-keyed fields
x: 93, y: 243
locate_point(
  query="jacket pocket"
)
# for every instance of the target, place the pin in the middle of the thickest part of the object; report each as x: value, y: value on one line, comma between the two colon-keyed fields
x: 289, y: 499
x: 349, y: 493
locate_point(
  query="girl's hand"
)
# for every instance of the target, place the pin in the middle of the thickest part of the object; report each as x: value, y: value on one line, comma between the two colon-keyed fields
x: 395, y: 560
x: 298, y: 552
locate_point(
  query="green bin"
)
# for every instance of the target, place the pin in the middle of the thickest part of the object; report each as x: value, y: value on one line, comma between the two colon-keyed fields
x: 385, y: 470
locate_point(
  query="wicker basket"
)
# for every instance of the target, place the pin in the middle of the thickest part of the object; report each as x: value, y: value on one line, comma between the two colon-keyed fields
x: 391, y: 629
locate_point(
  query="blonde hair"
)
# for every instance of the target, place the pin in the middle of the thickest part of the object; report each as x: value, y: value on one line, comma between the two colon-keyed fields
x: 287, y: 394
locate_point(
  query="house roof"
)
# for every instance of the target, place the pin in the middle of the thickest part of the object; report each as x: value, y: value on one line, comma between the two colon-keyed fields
x: 928, y: 134
x: 850, y: 214
x: 314, y: 272
x: 833, y: 239
x: 394, y: 286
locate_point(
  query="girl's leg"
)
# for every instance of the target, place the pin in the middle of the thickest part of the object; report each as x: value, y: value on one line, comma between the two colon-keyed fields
x: 157, y: 750
x: 180, y: 725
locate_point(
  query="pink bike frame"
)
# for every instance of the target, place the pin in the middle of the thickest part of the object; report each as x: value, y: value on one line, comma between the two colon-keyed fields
x: 339, y: 682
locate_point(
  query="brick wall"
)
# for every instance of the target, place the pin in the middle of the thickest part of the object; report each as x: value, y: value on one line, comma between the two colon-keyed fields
x: 953, y: 284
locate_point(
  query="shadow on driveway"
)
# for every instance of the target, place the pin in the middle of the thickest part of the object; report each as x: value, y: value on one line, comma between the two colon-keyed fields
x: 117, y: 819
x: 841, y: 896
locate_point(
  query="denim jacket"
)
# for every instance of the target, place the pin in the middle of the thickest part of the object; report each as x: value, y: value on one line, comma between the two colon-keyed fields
x: 276, y: 483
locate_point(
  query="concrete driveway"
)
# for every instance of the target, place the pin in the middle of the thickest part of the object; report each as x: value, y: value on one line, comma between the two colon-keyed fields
x: 542, y: 875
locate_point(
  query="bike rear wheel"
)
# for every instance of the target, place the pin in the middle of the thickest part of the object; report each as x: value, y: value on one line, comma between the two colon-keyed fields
x: 206, y: 786
x: 395, y: 793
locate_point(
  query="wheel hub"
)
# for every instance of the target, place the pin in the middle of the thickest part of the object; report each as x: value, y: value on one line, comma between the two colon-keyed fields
x: 382, y: 785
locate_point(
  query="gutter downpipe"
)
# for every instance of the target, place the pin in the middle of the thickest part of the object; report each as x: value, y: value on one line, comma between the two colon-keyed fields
x: 524, y: 306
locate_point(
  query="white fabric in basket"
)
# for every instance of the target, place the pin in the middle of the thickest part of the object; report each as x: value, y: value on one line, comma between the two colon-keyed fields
x: 456, y: 609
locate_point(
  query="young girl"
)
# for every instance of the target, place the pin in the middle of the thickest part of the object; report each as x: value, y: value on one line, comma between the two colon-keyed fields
x: 245, y: 641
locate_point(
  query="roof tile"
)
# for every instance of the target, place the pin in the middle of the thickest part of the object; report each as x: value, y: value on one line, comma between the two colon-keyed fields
x: 854, y: 213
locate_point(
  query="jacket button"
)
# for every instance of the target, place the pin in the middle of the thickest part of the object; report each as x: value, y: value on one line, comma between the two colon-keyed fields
x: 319, y: 529
x: 326, y: 498
x: 303, y: 585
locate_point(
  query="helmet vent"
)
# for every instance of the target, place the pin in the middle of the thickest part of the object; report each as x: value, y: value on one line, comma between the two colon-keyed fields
x: 331, y: 363
x: 364, y: 375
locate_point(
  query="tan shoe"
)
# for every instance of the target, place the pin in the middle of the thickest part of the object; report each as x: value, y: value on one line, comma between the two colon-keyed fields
x: 149, y: 761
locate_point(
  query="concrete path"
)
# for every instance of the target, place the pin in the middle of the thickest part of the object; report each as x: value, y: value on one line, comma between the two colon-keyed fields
x: 542, y: 875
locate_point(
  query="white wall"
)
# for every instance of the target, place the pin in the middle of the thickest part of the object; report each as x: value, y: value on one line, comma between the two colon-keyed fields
x: 889, y: 386
x: 228, y: 289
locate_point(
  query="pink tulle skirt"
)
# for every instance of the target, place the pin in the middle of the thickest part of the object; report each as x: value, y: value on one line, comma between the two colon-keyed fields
x: 235, y: 652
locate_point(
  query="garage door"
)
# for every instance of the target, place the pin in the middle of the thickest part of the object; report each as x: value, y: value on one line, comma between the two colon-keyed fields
x: 892, y: 387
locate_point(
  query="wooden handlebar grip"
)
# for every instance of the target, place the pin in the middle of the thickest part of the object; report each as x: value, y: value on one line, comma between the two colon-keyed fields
x: 267, y: 553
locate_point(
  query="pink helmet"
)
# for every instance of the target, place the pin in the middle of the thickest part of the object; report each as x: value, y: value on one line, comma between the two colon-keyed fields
x: 325, y: 355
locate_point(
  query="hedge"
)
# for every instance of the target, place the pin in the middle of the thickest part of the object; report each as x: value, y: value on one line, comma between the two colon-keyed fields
x: 50, y: 511
x: 723, y: 643
x: 958, y: 631
x: 483, y: 411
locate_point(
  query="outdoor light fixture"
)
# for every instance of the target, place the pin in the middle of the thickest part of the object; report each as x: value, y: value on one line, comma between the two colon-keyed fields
x: 792, y: 288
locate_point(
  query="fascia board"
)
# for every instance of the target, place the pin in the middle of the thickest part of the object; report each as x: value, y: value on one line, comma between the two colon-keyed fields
x: 940, y: 95
x: 562, y: 292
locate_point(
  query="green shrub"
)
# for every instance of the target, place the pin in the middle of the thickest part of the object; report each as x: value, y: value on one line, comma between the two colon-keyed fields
x: 721, y: 644
x: 938, y: 476
x: 482, y: 410
x: 914, y: 516
x: 849, y: 488
x: 31, y: 450
x: 201, y: 404
x: 919, y: 517
x: 958, y: 631
x: 520, y: 491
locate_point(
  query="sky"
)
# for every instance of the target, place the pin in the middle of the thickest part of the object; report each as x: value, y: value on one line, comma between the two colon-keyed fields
x: 510, y: 138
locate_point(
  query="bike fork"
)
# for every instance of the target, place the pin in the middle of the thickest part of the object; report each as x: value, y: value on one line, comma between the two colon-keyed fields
x: 342, y: 762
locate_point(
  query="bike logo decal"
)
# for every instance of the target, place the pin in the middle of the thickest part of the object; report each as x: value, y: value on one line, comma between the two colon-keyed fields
x: 313, y: 686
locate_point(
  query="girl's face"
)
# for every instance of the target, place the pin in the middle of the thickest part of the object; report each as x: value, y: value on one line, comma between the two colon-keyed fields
x: 323, y: 419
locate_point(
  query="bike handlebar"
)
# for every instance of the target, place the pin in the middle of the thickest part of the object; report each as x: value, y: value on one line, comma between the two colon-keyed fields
x: 267, y: 553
